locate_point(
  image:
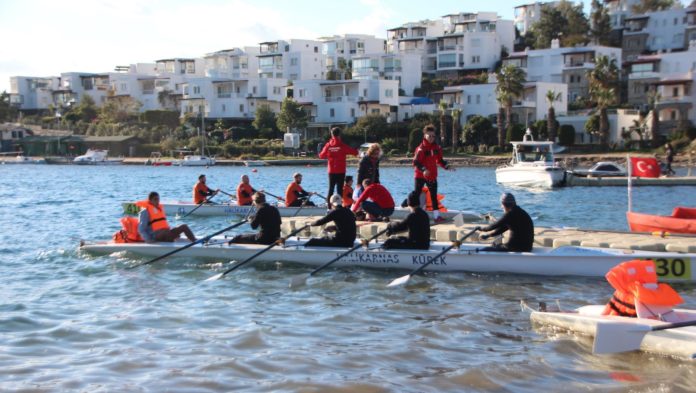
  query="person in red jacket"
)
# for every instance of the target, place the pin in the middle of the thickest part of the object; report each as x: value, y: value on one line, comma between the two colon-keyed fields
x: 427, y: 157
x: 381, y: 203
x: 336, y: 151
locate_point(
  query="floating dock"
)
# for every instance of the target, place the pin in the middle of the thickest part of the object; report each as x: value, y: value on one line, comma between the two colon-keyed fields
x: 578, y: 181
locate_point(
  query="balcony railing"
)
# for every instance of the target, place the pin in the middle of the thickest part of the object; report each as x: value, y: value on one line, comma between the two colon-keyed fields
x: 450, y: 47
x: 224, y: 95
x: 392, y: 69
x: 643, y: 75
x: 149, y: 91
x: 342, y: 99
x: 447, y: 64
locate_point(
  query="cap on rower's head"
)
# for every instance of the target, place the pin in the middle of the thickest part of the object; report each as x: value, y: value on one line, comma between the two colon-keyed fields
x: 413, y: 199
x: 296, y: 175
x: 153, y: 194
x: 336, y: 200
x: 201, y: 177
x: 335, y: 131
x: 507, y: 199
x: 259, y: 197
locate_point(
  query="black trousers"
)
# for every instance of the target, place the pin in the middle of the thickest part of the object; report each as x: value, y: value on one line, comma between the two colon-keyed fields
x: 327, y: 242
x: 403, y: 243
x: 298, y: 203
x: 250, y: 238
x: 337, y: 180
x: 432, y: 187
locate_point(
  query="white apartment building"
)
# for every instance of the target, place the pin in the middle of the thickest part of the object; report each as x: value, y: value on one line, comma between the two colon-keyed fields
x: 528, y: 14
x: 619, y: 10
x: 662, y: 31
x: 236, y: 63
x: 30, y: 94
x: 672, y: 76
x: 342, y: 102
x: 460, y: 42
x: 338, y: 51
x: 404, y: 68
x: 481, y: 100
x: 562, y: 65
x: 290, y: 60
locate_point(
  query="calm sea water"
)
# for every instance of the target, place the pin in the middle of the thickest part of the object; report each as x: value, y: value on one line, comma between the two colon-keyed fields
x: 72, y: 322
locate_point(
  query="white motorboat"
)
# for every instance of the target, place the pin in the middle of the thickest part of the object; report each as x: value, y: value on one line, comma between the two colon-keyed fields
x: 96, y: 157
x: 545, y: 261
x: 532, y: 165
x: 227, y: 209
x: 195, y: 160
x: 24, y: 160
x: 585, y: 320
x: 255, y: 163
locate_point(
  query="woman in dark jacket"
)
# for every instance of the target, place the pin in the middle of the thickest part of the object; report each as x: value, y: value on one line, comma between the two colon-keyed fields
x: 369, y: 166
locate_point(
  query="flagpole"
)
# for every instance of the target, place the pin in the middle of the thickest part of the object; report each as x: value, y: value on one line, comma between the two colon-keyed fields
x: 629, y: 167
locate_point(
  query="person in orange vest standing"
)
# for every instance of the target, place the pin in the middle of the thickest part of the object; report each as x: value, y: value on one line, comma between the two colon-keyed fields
x: 244, y: 192
x: 201, y: 191
x: 295, y: 195
x: 152, y: 222
x: 427, y: 157
x: 336, y: 151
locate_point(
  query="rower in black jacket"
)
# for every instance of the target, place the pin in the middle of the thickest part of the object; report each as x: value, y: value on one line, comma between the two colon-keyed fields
x: 418, y: 225
x: 344, y: 221
x: 517, y: 221
x: 268, y: 218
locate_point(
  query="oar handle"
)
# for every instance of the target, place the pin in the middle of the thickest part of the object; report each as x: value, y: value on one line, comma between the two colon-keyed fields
x: 199, y: 241
x: 275, y: 243
x: 456, y: 243
x: 674, y: 325
x: 327, y: 264
x: 199, y: 205
x: 274, y: 196
x: 228, y: 194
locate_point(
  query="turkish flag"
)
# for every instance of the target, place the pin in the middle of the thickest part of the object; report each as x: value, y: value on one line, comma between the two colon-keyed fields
x: 645, y: 167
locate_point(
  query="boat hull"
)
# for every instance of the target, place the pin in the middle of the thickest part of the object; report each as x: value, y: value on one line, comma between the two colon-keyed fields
x: 541, y: 176
x: 212, y: 210
x: 679, y: 343
x: 544, y: 261
x: 640, y: 222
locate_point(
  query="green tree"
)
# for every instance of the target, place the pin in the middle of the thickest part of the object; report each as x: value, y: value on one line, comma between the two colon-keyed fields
x: 600, y: 23
x: 566, y: 136
x: 443, y: 105
x: 592, y: 125
x: 292, y: 115
x: 565, y: 21
x: 119, y: 109
x: 264, y: 118
x: 374, y: 128
x: 551, y: 98
x: 510, y: 85
x: 602, y: 79
x: 475, y: 130
x: 456, y: 128
x: 7, y: 111
x: 646, y: 6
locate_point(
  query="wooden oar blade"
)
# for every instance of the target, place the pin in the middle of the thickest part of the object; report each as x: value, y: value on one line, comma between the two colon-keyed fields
x: 214, y: 278
x: 399, y: 281
x: 299, y: 280
x: 614, y: 337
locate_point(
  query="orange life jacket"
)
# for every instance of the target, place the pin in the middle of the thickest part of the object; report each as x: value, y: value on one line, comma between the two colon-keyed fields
x: 200, y: 192
x: 158, y: 218
x: 129, y: 233
x: 429, y: 202
x: 241, y: 199
x: 290, y: 196
x: 347, y: 196
x: 635, y: 282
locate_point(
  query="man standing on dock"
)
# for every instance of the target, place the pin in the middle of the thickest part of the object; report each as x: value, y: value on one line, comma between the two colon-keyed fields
x: 268, y: 218
x: 427, y: 157
x: 517, y: 221
x: 201, y: 191
x: 244, y: 192
x: 336, y: 151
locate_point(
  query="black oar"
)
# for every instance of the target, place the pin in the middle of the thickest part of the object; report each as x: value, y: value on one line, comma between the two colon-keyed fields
x: 404, y: 279
x: 238, y: 265
x: 228, y: 194
x: 274, y: 196
x: 304, y: 203
x: 199, y: 205
x: 201, y: 240
x: 301, y: 279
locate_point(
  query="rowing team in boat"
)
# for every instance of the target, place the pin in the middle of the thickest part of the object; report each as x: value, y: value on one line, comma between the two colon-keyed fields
x: 370, y: 196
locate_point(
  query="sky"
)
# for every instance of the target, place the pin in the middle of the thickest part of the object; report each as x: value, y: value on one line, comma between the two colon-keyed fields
x: 47, y: 37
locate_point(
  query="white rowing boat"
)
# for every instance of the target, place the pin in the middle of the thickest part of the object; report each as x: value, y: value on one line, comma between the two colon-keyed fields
x: 226, y: 209
x: 545, y: 261
x: 587, y: 320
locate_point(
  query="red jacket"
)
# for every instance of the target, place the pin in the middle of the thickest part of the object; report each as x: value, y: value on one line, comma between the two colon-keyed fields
x: 378, y: 194
x: 428, y: 156
x: 336, y: 151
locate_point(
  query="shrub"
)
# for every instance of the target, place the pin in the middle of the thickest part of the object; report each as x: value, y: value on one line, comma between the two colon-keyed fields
x: 414, y: 139
x: 566, y: 135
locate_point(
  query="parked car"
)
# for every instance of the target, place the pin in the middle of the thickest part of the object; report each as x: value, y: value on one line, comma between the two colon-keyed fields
x: 602, y: 169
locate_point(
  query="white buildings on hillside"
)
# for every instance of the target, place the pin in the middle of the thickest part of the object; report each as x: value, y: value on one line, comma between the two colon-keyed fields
x: 562, y: 65
x: 460, y: 42
x: 619, y: 10
x: 404, y: 68
x: 528, y: 14
x: 290, y: 60
x: 338, y: 51
x: 661, y: 31
x: 236, y: 63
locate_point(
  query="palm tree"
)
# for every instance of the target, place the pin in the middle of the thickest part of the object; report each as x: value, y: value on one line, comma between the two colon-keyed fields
x: 653, y: 99
x: 455, y: 129
x: 551, y: 97
x: 602, y: 79
x: 443, y: 105
x: 511, y: 81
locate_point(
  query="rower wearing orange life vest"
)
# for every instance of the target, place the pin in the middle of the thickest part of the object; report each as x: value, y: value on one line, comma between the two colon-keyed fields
x: 201, y: 191
x: 348, y: 192
x: 295, y: 195
x: 638, y: 294
x: 244, y: 192
x: 152, y: 222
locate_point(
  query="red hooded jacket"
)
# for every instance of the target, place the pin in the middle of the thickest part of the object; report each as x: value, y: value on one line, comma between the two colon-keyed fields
x: 336, y: 151
x: 428, y: 156
x: 378, y: 194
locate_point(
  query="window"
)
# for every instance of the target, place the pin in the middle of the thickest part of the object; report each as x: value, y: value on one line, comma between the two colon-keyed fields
x: 241, y: 108
x: 293, y: 61
x: 332, y: 112
x: 253, y: 90
x: 196, y: 90
x: 276, y: 90
x: 124, y: 87
x: 224, y: 108
x: 301, y: 92
x: 675, y: 92
x: 475, y: 59
x: 389, y: 93
x: 352, y: 112
x: 468, y: 99
x: 364, y: 92
x: 478, y: 98
x: 316, y: 49
x: 374, y: 111
x: 673, y: 115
